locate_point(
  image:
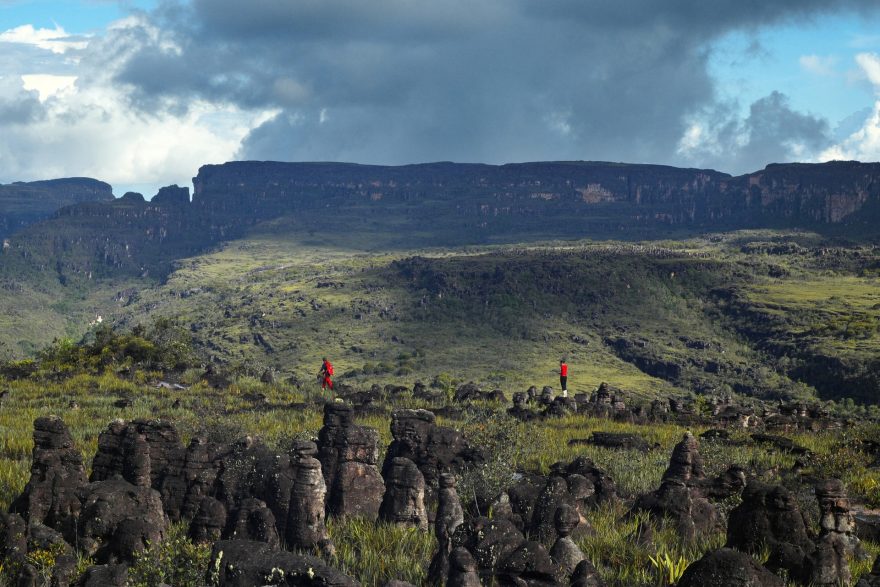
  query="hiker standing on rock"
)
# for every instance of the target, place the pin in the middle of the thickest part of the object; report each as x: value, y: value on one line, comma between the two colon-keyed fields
x: 563, y: 377
x: 325, y: 373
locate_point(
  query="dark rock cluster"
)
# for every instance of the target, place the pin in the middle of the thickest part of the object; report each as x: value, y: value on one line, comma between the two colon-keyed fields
x: 263, y: 510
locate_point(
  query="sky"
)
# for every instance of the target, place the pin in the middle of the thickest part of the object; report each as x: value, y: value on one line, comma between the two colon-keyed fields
x: 141, y: 93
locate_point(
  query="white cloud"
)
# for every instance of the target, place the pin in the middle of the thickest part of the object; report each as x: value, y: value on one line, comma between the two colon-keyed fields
x: 84, y: 125
x: 818, y: 64
x: 870, y: 64
x: 47, y: 85
x: 55, y: 40
x: 863, y: 144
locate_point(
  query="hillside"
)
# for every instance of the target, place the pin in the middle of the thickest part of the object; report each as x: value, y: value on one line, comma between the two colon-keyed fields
x: 650, y: 318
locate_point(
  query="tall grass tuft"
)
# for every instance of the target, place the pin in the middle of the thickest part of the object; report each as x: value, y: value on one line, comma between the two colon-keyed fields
x: 377, y: 553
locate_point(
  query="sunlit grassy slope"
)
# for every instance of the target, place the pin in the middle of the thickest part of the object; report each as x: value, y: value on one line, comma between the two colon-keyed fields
x: 648, y: 318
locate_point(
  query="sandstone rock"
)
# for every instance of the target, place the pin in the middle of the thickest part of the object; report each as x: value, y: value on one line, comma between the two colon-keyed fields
x: 586, y: 575
x: 529, y: 564
x: 872, y: 579
x: 119, y: 519
x: 252, y: 520
x: 450, y: 516
x: 837, y: 540
x: 679, y: 498
x: 686, y: 464
x: 51, y: 495
x: 489, y: 541
x: 565, y: 553
x: 462, y: 569
x: 727, y: 567
x: 243, y: 563
x: 305, y: 524
x: 769, y: 517
x: 404, y: 500
x: 209, y: 521
x: 104, y: 576
x: 13, y: 536
x: 350, y: 454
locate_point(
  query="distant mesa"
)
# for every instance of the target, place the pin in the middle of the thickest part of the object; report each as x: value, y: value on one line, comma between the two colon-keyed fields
x: 24, y: 203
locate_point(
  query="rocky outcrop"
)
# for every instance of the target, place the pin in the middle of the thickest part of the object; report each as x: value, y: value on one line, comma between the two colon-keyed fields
x: 434, y: 449
x: 769, y: 518
x: 404, y: 500
x: 837, y: 541
x: 679, y: 498
x: 462, y: 569
x: 243, y: 563
x: 51, y: 496
x: 252, y: 520
x: 305, y: 525
x: 727, y: 567
x: 349, y: 455
x: 119, y: 519
x: 450, y: 516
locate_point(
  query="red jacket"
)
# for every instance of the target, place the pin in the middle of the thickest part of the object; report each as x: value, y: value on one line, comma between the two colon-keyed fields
x: 563, y: 370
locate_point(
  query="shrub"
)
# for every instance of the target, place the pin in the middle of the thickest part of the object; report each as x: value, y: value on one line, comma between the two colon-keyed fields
x: 175, y: 561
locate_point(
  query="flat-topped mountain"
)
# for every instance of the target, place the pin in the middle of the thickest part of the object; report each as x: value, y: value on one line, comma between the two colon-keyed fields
x: 24, y: 203
x: 440, y: 204
x: 566, y: 198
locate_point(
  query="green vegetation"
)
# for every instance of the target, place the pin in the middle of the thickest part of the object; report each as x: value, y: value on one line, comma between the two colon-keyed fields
x: 752, y: 313
x: 173, y: 561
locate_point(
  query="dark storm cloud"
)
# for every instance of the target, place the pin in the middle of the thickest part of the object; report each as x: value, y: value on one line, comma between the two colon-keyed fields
x: 396, y: 81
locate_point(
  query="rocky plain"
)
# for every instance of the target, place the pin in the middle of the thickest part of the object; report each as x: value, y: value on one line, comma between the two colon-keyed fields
x: 264, y: 513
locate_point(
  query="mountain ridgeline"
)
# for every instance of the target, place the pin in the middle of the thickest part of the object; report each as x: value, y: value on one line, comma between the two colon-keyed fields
x: 445, y: 204
x: 22, y: 204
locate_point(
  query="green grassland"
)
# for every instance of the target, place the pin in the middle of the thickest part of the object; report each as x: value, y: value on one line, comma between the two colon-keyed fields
x: 647, y: 318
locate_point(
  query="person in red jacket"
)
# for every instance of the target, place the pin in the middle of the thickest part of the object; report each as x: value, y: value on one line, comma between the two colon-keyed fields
x: 325, y: 373
x: 563, y: 377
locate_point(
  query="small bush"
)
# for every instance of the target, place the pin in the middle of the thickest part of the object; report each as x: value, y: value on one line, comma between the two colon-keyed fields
x: 175, y: 561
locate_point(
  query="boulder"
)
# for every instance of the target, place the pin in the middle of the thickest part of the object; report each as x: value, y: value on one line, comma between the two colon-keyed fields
x: 462, y: 569
x: 252, y: 520
x: 769, y: 518
x: 119, y: 519
x: 565, y: 553
x: 727, y: 567
x: 244, y: 563
x: 404, y: 499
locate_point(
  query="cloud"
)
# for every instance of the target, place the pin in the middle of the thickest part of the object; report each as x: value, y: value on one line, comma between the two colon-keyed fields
x: 870, y: 65
x: 819, y: 65
x: 772, y: 132
x: 396, y: 81
x: 55, y: 40
x: 500, y: 80
x: 47, y: 85
x: 862, y: 144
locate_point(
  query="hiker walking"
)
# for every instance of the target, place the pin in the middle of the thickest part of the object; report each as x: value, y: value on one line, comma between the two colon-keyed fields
x: 563, y: 377
x: 325, y: 373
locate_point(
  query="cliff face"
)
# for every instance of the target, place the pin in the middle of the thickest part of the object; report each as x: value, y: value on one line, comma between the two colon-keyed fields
x: 581, y: 198
x: 22, y: 204
x: 438, y: 204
